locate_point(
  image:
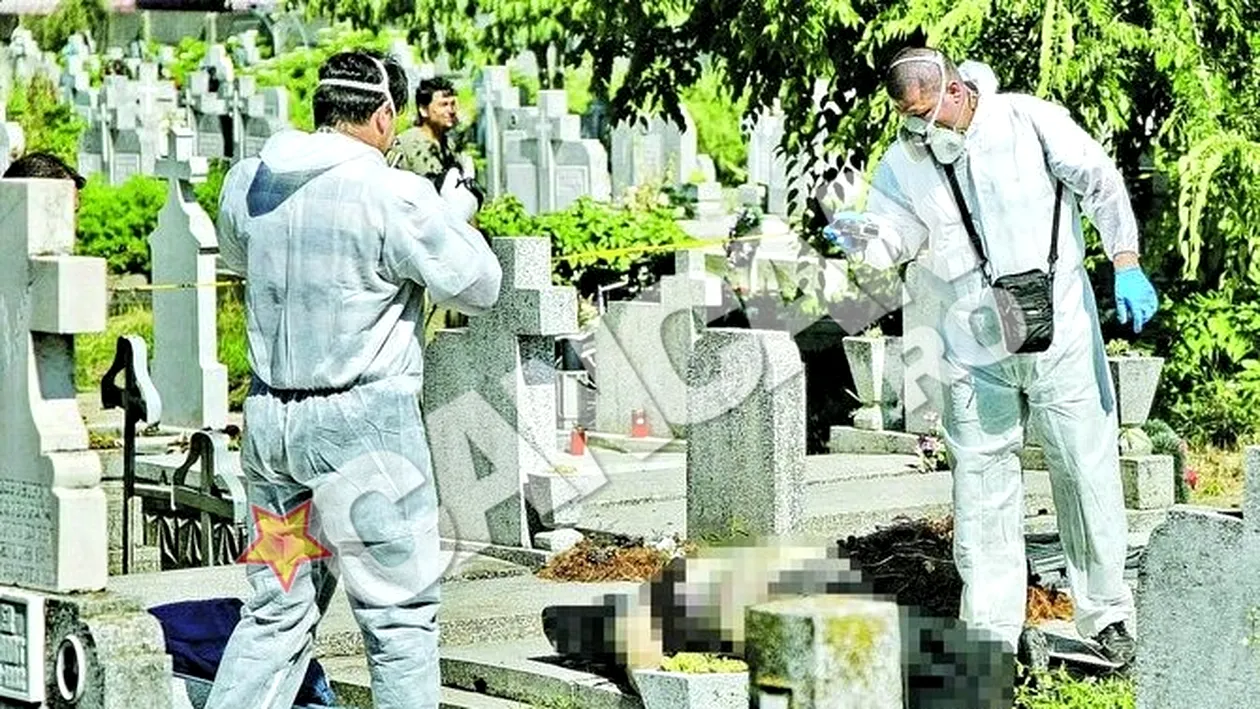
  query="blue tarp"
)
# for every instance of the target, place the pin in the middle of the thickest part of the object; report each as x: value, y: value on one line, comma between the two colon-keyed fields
x: 197, y: 633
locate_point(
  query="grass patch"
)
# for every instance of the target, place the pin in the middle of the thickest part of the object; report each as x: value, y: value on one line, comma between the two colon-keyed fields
x: 1060, y: 690
x: 702, y: 663
x: 94, y: 352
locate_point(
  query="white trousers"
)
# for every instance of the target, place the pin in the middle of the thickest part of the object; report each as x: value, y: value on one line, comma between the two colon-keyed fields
x: 1066, y: 395
x: 360, y: 459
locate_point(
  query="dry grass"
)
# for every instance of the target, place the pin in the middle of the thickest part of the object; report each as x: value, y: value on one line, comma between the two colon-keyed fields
x: 1048, y: 604
x: 588, y: 562
x: 1220, y: 477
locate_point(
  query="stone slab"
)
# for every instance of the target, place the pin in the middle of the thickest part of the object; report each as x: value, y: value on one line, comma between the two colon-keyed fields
x: 679, y: 690
x: 848, y: 439
x: 473, y: 611
x: 626, y: 444
x: 1148, y: 481
x: 517, y: 671
x: 1197, y: 598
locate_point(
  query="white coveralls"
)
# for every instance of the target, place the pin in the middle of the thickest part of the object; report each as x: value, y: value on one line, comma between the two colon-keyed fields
x: 1065, y: 393
x: 337, y: 249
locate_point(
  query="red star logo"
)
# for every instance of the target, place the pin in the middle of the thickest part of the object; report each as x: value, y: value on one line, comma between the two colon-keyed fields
x: 284, y: 543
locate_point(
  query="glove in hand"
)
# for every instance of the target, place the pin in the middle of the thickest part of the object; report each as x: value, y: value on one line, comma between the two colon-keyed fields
x: 462, y: 201
x: 850, y: 232
x: 1135, y: 297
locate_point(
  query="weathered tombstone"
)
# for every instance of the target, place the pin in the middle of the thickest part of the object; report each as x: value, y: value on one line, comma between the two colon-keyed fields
x: 581, y: 171
x: 644, y: 347
x: 133, y: 154
x: 64, y: 641
x: 745, y: 434
x: 1198, y: 606
x: 184, y: 246
x: 494, y: 92
x: 766, y: 166
x: 820, y: 652
x: 659, y: 151
x: 489, y: 398
x: 268, y: 114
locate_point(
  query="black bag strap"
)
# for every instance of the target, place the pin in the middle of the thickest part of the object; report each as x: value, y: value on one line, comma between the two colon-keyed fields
x: 975, y: 237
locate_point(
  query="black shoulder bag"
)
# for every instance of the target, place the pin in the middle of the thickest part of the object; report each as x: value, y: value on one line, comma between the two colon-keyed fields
x: 1025, y: 301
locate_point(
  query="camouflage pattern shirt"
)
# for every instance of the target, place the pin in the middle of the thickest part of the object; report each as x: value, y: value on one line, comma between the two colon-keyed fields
x: 415, y: 151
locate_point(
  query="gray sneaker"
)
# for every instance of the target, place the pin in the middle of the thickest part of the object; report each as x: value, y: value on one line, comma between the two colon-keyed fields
x: 1117, y: 645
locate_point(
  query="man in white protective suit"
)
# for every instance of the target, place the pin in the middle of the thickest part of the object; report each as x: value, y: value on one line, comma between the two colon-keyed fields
x: 337, y: 249
x: 1019, y: 337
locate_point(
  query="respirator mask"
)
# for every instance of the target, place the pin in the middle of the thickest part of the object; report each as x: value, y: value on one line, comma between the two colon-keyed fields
x: 923, y: 135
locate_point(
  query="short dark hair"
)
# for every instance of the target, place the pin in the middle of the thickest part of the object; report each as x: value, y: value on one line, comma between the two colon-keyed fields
x: 923, y: 74
x: 44, y: 166
x: 343, y: 104
x: 431, y: 87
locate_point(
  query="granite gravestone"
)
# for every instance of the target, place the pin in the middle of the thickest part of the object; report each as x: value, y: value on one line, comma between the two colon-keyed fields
x: 63, y: 641
x: 490, y: 398
x: 185, y: 247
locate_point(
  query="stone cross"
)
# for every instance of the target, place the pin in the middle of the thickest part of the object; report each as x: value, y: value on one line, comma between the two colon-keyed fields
x: 490, y: 398
x: 494, y: 92
x: 52, y: 508
x: 185, y: 247
x: 61, y: 633
x: 745, y: 434
x: 1199, y: 587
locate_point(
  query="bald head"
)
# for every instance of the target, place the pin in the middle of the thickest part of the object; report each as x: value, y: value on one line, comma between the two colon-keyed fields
x: 915, y: 71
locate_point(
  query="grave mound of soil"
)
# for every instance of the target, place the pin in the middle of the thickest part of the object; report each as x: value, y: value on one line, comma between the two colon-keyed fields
x: 599, y: 558
x: 913, y: 561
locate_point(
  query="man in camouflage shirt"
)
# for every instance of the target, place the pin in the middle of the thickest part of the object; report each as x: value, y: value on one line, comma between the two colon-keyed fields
x: 425, y: 147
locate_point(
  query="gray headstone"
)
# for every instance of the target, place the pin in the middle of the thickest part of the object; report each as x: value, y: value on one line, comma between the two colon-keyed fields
x: 52, y: 509
x: 644, y: 347
x: 185, y: 246
x: 659, y: 150
x: 1198, y: 589
x: 825, y: 651
x: 745, y: 434
x: 489, y: 398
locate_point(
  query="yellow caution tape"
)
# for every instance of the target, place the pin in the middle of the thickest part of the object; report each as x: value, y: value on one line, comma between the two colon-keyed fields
x: 585, y: 255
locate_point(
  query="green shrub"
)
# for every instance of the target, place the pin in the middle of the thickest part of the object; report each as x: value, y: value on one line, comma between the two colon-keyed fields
x: 51, y: 32
x: 642, y: 240
x: 115, y: 221
x: 48, y: 125
x: 1165, y: 441
x: 208, y: 191
x: 1059, y: 690
x: 1210, y: 387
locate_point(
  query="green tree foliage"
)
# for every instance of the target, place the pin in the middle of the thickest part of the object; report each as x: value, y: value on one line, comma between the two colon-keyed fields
x: 52, y: 31
x: 48, y: 125
x: 622, y: 242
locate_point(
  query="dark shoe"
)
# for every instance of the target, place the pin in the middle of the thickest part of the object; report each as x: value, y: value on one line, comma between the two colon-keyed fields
x: 1034, y: 650
x: 1117, y: 645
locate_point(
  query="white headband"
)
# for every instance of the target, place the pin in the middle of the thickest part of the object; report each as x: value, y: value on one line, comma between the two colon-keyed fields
x: 380, y: 88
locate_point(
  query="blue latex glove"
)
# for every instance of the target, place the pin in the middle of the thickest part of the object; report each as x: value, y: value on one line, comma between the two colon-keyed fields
x: 1135, y: 296
x: 850, y: 231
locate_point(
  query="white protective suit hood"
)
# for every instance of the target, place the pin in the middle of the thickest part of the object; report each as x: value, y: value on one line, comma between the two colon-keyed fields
x: 298, y: 151
x: 980, y: 75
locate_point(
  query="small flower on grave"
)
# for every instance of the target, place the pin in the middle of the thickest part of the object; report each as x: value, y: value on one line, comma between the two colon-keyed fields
x: 1192, y: 478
